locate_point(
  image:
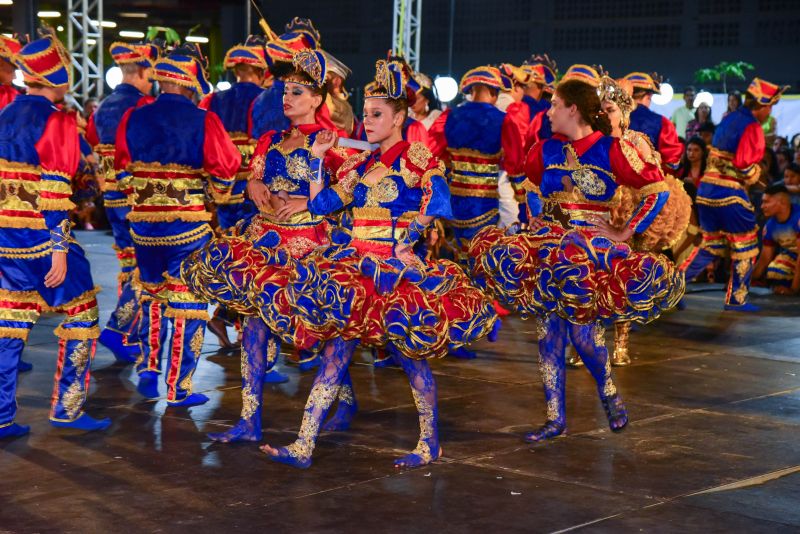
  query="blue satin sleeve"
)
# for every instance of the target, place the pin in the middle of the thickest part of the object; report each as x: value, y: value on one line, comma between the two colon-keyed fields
x: 436, y: 199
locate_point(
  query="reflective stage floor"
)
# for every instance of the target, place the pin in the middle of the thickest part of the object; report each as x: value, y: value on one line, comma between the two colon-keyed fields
x: 713, y: 444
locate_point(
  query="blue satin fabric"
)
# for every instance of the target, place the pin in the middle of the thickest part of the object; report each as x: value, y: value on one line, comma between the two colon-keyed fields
x: 154, y: 261
x: 109, y: 114
x: 181, y: 132
x: 730, y: 129
x: 647, y: 122
x: 476, y: 126
x: 290, y: 172
x: 233, y: 105
x: 27, y: 274
x: 267, y: 112
x: 22, y: 124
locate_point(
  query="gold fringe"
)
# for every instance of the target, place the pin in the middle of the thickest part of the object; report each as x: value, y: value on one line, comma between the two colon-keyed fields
x: 55, y: 204
x: 187, y: 314
x: 39, y: 251
x: 84, y: 297
x: 188, y: 216
x: 14, y: 333
x: 29, y: 223
x: 80, y: 334
x: 173, y: 240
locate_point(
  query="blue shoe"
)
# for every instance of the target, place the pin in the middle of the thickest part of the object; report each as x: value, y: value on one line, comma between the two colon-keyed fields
x: 463, y: 353
x: 275, y: 377
x: 492, y: 337
x: 286, y: 458
x: 308, y: 365
x: 84, y: 422
x: 14, y: 431
x: 195, y: 399
x: 385, y: 363
x: 24, y: 367
x: 148, y: 384
x: 114, y: 341
x: 746, y: 307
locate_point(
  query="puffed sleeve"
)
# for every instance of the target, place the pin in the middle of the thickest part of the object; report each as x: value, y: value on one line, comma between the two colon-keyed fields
x: 221, y: 158
x: 532, y: 135
x: 515, y: 126
x: 435, y: 191
x: 257, y: 167
x: 437, y: 141
x: 669, y: 146
x: 750, y: 151
x: 629, y: 169
x: 59, y: 157
x: 91, y: 132
x: 205, y: 103
x: 339, y: 195
x: 416, y: 133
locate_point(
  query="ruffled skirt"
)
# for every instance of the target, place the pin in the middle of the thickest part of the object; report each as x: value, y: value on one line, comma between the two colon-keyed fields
x: 422, y: 310
x: 581, y: 278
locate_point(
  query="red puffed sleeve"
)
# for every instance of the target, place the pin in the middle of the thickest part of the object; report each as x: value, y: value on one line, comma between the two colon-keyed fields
x: 122, y: 157
x: 437, y: 142
x: 515, y: 125
x: 258, y: 161
x: 91, y: 133
x: 751, y: 147
x: 144, y: 100
x: 534, y: 164
x: 7, y: 95
x: 59, y: 156
x: 631, y: 170
x: 221, y: 158
x: 532, y: 135
x: 416, y: 133
x: 669, y: 146
x: 205, y: 103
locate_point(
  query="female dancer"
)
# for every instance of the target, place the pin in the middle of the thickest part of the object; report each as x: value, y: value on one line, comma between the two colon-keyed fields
x: 671, y: 222
x: 280, y: 171
x: 571, y: 267
x: 375, y: 289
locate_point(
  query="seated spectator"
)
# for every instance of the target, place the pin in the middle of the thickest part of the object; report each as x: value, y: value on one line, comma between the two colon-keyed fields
x: 702, y: 115
x: 791, y: 180
x: 780, y: 143
x: 706, y: 132
x: 783, y: 158
x: 693, y: 163
x: 778, y: 260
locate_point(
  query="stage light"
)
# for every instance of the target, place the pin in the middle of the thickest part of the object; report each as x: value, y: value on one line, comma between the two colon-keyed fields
x: 446, y: 88
x: 18, y: 80
x: 91, y: 41
x: 114, y: 77
x: 667, y: 92
x: 105, y: 23
x: 131, y: 34
x: 60, y: 28
x: 703, y: 97
x: 196, y: 39
x: 223, y: 85
x: 129, y: 15
x: 48, y: 14
x: 6, y: 2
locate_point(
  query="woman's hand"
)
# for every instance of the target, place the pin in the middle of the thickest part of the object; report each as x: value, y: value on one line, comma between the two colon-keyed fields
x: 259, y: 194
x: 292, y: 206
x: 405, y: 253
x: 324, y: 142
x: 58, y: 270
x: 604, y: 229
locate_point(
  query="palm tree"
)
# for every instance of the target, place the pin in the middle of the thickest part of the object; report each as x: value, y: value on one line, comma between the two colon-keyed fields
x: 721, y: 71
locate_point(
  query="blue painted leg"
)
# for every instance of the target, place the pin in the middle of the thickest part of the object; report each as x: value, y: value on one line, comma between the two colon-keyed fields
x: 423, y: 389
x: 552, y: 363
x: 347, y: 408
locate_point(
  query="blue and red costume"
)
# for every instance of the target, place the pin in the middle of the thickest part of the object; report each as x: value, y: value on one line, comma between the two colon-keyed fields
x: 481, y: 141
x: 39, y: 154
x: 168, y: 151
x: 727, y: 218
x: 121, y: 332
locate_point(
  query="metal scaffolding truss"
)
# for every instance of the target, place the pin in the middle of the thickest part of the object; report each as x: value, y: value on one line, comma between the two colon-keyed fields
x: 85, y: 43
x: 407, y: 30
